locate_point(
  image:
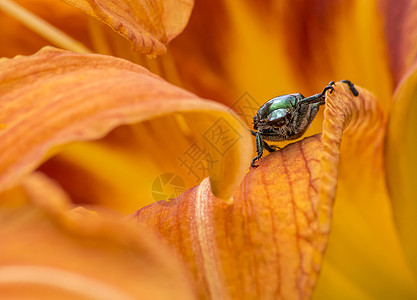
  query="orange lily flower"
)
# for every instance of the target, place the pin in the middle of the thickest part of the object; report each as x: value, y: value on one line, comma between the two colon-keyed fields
x: 95, y: 122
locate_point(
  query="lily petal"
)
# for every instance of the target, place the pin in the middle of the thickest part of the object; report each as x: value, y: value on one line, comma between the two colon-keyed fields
x: 400, y: 28
x: 46, y: 193
x: 57, y: 97
x: 25, y: 36
x: 270, y: 242
x: 402, y: 163
x: 364, y: 259
x: 82, y: 255
x: 293, y: 47
x: 265, y: 245
x: 149, y: 25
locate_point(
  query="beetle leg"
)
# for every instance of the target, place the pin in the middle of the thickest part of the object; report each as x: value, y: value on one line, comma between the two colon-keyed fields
x: 328, y: 87
x: 259, y: 149
x: 270, y: 148
x: 352, y: 87
x: 317, y: 98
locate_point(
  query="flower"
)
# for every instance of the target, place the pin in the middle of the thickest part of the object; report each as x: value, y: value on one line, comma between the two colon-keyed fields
x: 268, y: 243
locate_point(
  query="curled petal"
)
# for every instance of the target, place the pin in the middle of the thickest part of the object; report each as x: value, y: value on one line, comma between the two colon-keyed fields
x: 270, y: 242
x: 82, y: 255
x: 57, y: 97
x: 265, y: 245
x: 364, y: 258
x: 402, y: 164
x: 360, y: 120
x: 149, y: 25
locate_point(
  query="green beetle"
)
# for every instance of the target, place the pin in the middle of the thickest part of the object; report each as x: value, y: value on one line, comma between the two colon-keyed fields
x: 287, y: 117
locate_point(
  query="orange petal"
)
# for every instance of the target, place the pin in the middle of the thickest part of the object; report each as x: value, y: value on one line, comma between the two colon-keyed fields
x: 264, y: 246
x: 45, y: 192
x: 149, y: 25
x: 57, y: 97
x: 358, y: 119
x: 364, y: 259
x: 402, y: 164
x: 84, y: 256
x: 270, y: 242
x: 135, y: 163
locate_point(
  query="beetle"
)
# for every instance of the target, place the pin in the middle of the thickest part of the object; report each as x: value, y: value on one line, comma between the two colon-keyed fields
x: 287, y: 117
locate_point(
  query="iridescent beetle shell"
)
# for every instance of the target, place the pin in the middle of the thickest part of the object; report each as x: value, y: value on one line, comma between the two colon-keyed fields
x: 287, y: 117
x: 284, y: 117
x: 276, y: 111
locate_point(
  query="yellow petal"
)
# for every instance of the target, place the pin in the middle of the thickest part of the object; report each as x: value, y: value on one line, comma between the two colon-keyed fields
x: 270, y: 242
x: 84, y: 256
x: 57, y: 97
x: 135, y: 163
x: 273, y: 48
x: 402, y: 164
x: 149, y: 25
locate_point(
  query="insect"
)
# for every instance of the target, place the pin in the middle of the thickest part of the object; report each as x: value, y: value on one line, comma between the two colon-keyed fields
x: 287, y: 117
